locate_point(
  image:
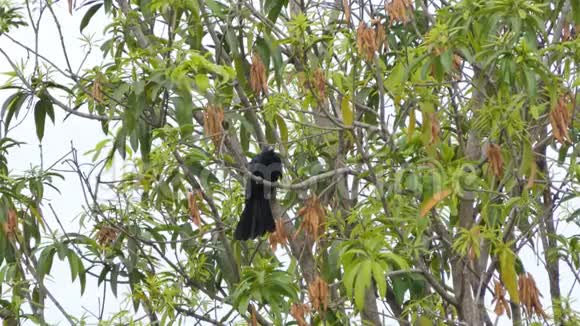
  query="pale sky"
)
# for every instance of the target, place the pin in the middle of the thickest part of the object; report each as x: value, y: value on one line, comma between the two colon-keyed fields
x: 57, y: 141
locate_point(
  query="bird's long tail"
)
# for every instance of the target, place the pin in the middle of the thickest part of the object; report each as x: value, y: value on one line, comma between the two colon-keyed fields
x: 256, y: 219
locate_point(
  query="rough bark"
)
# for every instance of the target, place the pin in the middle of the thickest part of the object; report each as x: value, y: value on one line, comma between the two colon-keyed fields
x: 462, y: 277
x: 547, y: 233
x: 370, y: 313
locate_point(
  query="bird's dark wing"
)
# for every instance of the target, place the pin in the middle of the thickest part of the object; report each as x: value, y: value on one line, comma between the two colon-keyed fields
x: 257, y: 217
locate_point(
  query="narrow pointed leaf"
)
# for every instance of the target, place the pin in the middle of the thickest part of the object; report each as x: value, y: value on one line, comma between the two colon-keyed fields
x: 347, y: 115
x: 89, y: 14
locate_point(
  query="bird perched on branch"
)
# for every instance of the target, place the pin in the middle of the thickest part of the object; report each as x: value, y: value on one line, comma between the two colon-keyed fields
x: 257, y: 218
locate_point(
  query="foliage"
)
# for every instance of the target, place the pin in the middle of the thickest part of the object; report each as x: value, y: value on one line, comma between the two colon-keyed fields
x: 427, y: 146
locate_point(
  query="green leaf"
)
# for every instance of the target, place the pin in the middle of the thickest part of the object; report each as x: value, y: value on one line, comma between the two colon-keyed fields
x: 397, y: 76
x: 349, y: 276
x: 59, y: 86
x: 276, y: 54
x: 183, y: 108
x: 134, y: 139
x: 244, y: 138
x: 273, y: 8
x: 98, y: 148
x: 331, y: 266
x: 573, y: 216
x: 562, y: 153
x: 447, y: 60
x: 363, y: 281
x: 45, y: 260
x: 270, y: 135
x: 347, y: 115
x: 89, y: 14
x: 120, y: 143
x: 12, y: 106
x: 108, y: 5
x: 438, y: 69
x: 424, y: 321
x: 132, y: 243
x: 75, y: 264
x: 400, y: 261
x: 380, y: 279
x: 62, y: 250
x: 283, y: 129
x: 4, y: 247
x: 114, y: 278
x: 575, y: 11
x: 242, y: 69
x: 507, y: 266
x: 243, y: 304
x: 263, y: 50
x: 400, y: 286
x: 145, y: 142
x: 41, y: 109
x: 83, y: 278
x: 202, y: 82
x: 50, y: 110
x: 103, y: 274
x: 217, y: 8
x: 531, y: 84
x: 134, y: 279
x: 197, y: 154
x: 139, y: 87
x: 232, y: 42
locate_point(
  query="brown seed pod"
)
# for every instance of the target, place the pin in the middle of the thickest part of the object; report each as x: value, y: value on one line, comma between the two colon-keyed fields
x: 258, y: 78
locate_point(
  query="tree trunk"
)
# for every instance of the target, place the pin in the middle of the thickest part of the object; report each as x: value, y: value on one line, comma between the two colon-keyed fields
x: 463, y: 278
x: 547, y: 232
x: 370, y: 313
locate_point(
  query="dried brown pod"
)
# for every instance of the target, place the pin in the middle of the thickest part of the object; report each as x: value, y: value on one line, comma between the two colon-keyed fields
x: 10, y: 227
x: 312, y: 217
x: 501, y: 304
x: 566, y: 32
x: 399, y: 11
x: 298, y: 311
x: 530, y: 296
x: 457, y: 60
x: 318, y: 293
x: 473, y: 252
x: 435, y: 128
x: 106, y: 235
x: 213, y: 119
x: 560, y: 120
x: 456, y: 65
x: 97, y: 92
x: 359, y: 40
x: 382, y: 44
x: 258, y: 78
x: 366, y: 41
x: 495, y: 159
x: 194, y: 213
x: 320, y: 84
x: 346, y: 8
x: 532, y: 176
x: 279, y: 236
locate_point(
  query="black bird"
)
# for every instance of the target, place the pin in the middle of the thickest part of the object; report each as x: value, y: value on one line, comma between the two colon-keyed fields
x: 257, y: 218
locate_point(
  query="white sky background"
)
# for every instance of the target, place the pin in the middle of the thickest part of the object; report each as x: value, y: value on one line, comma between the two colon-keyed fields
x: 57, y: 141
x: 85, y: 134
